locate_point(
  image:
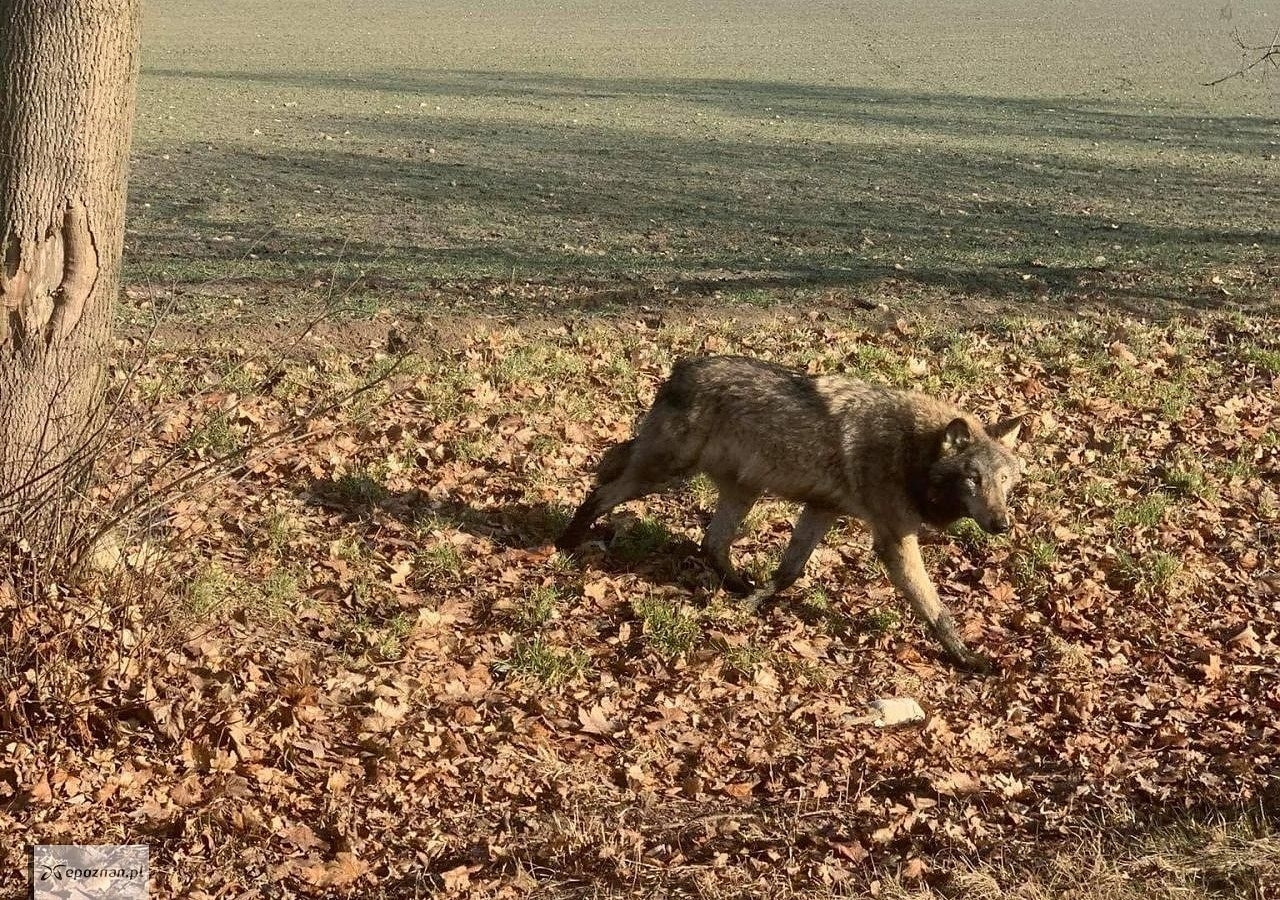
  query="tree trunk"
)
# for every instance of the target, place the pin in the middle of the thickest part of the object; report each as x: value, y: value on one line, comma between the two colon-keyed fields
x: 68, y: 76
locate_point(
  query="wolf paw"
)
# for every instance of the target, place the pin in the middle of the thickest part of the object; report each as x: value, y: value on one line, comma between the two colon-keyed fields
x: 978, y: 663
x: 568, y: 542
x: 760, y: 600
x: 736, y: 584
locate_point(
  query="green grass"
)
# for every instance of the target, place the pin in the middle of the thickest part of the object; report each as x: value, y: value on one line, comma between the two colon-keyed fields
x: 387, y: 640
x: 618, y: 142
x: 959, y: 367
x: 1032, y: 562
x: 354, y: 551
x: 216, y: 438
x: 280, y: 592
x: 704, y: 492
x: 241, y: 377
x: 535, y: 659
x: 439, y: 560
x: 970, y: 535
x: 360, y: 489
x: 817, y: 600
x: 1186, y: 477
x: 1150, y: 575
x: 1148, y: 512
x: 543, y: 361
x: 539, y: 606
x: 642, y: 538
x: 1100, y: 493
x: 879, y: 620
x: 281, y: 529
x: 1173, y: 397
x: 1267, y: 360
x: 745, y: 659
x: 213, y: 592
x: 668, y: 628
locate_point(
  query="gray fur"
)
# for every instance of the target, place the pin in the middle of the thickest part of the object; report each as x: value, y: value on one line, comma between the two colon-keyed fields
x: 897, y: 460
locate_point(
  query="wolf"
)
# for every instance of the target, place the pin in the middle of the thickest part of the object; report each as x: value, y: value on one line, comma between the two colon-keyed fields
x: 895, y: 459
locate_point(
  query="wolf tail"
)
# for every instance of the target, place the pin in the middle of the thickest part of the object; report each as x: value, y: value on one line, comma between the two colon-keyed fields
x: 614, y: 461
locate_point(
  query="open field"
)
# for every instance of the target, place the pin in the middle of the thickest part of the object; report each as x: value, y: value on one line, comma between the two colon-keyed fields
x: 918, y: 150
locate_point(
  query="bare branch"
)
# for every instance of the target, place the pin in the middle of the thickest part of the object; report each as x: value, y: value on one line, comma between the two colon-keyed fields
x: 1253, y: 56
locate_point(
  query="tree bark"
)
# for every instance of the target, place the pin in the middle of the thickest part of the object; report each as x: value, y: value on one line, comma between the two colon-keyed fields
x: 68, y: 78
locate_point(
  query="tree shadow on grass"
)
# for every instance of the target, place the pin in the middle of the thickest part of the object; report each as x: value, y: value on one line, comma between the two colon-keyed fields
x: 622, y: 543
x: 1030, y: 200
x: 945, y: 114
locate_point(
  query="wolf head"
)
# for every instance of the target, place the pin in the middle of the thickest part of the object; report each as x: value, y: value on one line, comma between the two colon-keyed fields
x: 975, y: 472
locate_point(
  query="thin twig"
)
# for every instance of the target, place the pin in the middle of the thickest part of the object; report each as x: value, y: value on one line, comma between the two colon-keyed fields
x: 241, y: 456
x: 1266, y: 53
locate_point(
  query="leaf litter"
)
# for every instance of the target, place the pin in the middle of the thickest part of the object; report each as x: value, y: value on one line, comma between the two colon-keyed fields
x: 362, y: 670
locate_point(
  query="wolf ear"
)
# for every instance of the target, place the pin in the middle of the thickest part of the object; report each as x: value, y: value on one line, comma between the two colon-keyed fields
x: 1006, y: 431
x: 956, y: 437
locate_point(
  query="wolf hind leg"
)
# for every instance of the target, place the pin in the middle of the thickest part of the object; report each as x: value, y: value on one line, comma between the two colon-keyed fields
x: 810, y: 529
x: 732, y: 506
x: 626, y: 472
x: 601, y: 499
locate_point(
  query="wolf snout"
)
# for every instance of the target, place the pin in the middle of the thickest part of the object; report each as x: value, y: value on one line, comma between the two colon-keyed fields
x: 999, y: 525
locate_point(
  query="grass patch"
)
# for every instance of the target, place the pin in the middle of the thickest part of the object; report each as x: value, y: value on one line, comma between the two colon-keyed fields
x: 545, y: 521
x: 242, y: 379
x: 471, y: 449
x: 1149, y: 575
x: 535, y: 659
x: 1197, y: 860
x: 213, y: 592
x: 879, y: 620
x: 280, y: 592
x: 538, y: 607
x: 817, y: 600
x: 1267, y: 360
x: 1174, y: 398
x: 216, y: 438
x: 353, y: 551
x: 876, y: 364
x: 1101, y: 493
x: 437, y: 561
x: 642, y: 538
x: 538, y: 362
x: 159, y: 387
x: 668, y: 628
x: 704, y: 492
x: 1031, y: 563
x: 281, y: 530
x: 1148, y: 512
x: 744, y: 660
x: 359, y: 489
x: 959, y: 366
x: 387, y: 642
x: 970, y: 535
x: 1187, y: 478
x: 216, y: 593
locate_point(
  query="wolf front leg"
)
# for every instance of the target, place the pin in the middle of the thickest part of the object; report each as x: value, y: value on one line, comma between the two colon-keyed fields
x: 901, y: 556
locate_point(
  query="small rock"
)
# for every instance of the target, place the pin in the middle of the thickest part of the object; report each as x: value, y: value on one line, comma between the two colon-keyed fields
x: 896, y: 711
